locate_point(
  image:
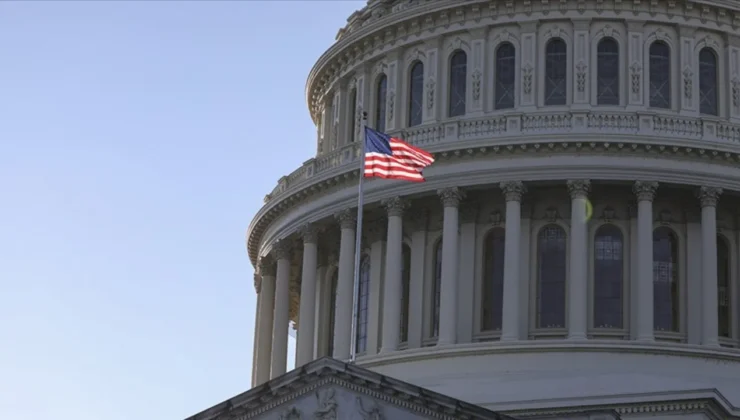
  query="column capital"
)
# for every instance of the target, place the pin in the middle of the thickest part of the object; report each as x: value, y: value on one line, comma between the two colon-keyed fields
x: 645, y: 190
x: 395, y: 206
x: 578, y: 188
x: 347, y: 219
x: 266, y: 267
x: 451, y: 197
x: 282, y: 249
x: 513, y: 190
x: 310, y: 233
x: 708, y: 196
x: 257, y: 283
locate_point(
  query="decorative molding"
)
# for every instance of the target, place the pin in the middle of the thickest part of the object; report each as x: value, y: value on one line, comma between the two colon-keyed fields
x: 581, y: 68
x: 645, y: 190
x: 708, y: 196
x: 476, y: 76
x: 552, y: 214
x: 608, y: 215
x: 688, y: 82
x: 430, y: 92
x: 527, y: 71
x: 451, y: 197
x: 495, y: 218
x: 735, y: 91
x: 635, y: 76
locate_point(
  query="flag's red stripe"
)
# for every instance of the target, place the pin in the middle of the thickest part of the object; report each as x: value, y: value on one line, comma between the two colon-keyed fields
x: 405, y: 163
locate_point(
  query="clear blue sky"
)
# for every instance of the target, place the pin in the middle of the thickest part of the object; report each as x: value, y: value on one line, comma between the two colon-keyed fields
x: 137, y: 140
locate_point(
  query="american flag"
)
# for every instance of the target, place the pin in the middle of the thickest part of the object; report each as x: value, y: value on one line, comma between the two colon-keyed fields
x: 392, y: 158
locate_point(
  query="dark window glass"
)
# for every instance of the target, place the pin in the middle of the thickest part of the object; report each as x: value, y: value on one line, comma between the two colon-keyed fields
x: 493, y: 280
x: 333, y: 310
x: 362, y: 306
x: 436, y: 287
x: 406, y: 282
x: 416, y: 94
x: 607, y: 86
x: 551, y: 246
x: 458, y: 82
x: 505, y: 76
x: 608, y: 277
x: 723, y: 287
x: 665, y: 280
x: 660, y: 75
x: 380, y: 103
x: 353, y: 111
x: 708, y: 82
x: 556, y: 72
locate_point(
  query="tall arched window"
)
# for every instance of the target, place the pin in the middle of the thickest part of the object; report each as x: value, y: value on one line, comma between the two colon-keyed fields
x: 551, y: 272
x: 505, y: 76
x: 416, y: 93
x: 458, y: 83
x: 493, y: 280
x: 607, y: 79
x: 608, y: 277
x: 665, y: 280
x: 353, y: 111
x: 362, y: 306
x: 406, y: 283
x: 333, y: 310
x: 708, y: 82
x: 556, y: 72
x: 436, y: 287
x: 723, y: 287
x: 660, y: 75
x: 380, y: 103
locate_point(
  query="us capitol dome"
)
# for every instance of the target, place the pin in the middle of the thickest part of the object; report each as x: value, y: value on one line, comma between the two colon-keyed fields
x: 575, y: 249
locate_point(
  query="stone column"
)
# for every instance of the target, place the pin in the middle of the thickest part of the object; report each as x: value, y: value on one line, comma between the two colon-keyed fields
x: 448, y: 300
x: 709, y: 197
x: 280, y: 323
x: 393, y: 286
x: 645, y: 192
x: 345, y: 285
x: 306, y: 317
x: 418, y: 224
x: 578, y: 284
x: 513, y: 191
x: 264, y: 326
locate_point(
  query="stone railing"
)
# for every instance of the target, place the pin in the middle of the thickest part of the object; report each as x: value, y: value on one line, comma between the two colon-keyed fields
x: 492, y: 130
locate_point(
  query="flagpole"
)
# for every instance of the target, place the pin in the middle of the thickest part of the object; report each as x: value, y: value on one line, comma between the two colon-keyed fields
x: 358, y: 244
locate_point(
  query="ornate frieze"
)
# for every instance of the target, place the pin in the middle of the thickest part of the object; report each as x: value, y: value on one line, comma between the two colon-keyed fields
x: 708, y: 196
x: 645, y: 190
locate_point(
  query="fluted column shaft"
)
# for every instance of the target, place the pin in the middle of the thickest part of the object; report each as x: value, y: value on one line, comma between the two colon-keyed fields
x: 513, y: 192
x: 306, y: 316
x: 282, y: 307
x: 393, y: 286
x: 578, y: 285
x: 448, y: 291
x: 264, y: 326
x: 709, y: 197
x: 345, y: 286
x: 645, y: 192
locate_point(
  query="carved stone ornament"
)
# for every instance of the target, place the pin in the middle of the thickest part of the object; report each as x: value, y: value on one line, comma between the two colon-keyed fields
x: 282, y: 249
x: 607, y: 215
x: 291, y: 414
x: 665, y: 217
x: 527, y: 78
x: 709, y: 196
x: 430, y: 93
x: 552, y: 214
x: 476, y: 84
x: 358, y: 119
x: 395, y: 206
x: 334, y: 136
x: 327, y: 409
x: 267, y: 267
x: 736, y: 91
x: 688, y: 82
x: 310, y: 233
x: 513, y: 190
x: 371, y: 411
x: 635, y: 74
x: 347, y: 219
x: 495, y: 218
x: 581, y: 68
x: 645, y: 190
x: 391, y: 105
x: 579, y: 188
x: 451, y: 197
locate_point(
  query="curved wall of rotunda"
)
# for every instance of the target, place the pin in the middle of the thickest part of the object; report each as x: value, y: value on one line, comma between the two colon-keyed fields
x: 577, y: 241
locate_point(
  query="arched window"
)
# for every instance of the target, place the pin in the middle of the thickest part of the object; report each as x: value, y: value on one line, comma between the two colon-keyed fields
x: 607, y: 79
x: 660, y: 75
x: 556, y: 72
x: 551, y: 247
x: 362, y: 304
x: 493, y: 280
x: 505, y: 76
x: 436, y: 287
x: 608, y: 277
x: 708, y: 82
x: 380, y: 103
x: 723, y: 287
x: 665, y: 280
x: 458, y: 83
x: 353, y: 111
x: 333, y: 310
x: 416, y: 93
x: 406, y: 283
